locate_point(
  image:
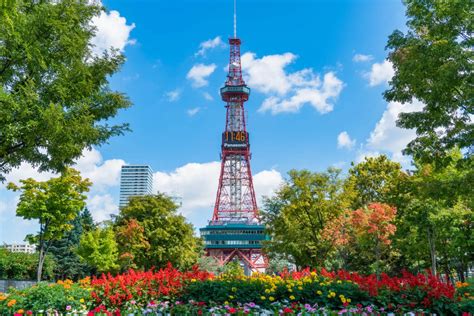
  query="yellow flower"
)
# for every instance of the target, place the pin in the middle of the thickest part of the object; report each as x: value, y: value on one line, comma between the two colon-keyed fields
x: 348, y: 300
x: 11, y: 303
x: 193, y: 280
x: 292, y: 297
x: 271, y: 298
x: 338, y: 281
x: 234, y: 289
x: 290, y: 290
x: 313, y: 273
x: 263, y: 298
x: 226, y: 303
x: 343, y: 300
x: 267, y: 291
x: 300, y: 288
x: 81, y: 300
x: 319, y: 292
x: 231, y: 297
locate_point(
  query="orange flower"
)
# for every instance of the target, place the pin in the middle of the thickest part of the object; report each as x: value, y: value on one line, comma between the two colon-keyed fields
x: 20, y: 311
x: 11, y: 303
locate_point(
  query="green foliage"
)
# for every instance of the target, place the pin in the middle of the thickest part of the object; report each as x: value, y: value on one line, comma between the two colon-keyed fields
x: 54, y: 203
x: 169, y: 236
x: 376, y: 179
x: 23, y: 266
x: 436, y: 216
x: 233, y: 290
x: 433, y: 63
x: 68, y: 263
x: 209, y: 264
x: 54, y: 94
x: 233, y: 269
x: 99, y: 249
x: 278, y: 264
x: 44, y: 296
x: 297, y: 215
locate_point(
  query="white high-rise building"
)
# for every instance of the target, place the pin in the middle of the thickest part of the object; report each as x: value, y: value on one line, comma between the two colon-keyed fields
x: 135, y: 180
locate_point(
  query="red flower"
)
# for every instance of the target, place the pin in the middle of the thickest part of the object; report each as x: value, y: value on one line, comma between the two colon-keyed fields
x: 232, y: 310
x: 287, y: 310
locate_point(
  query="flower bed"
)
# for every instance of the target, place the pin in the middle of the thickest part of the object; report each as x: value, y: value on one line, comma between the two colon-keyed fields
x: 169, y: 291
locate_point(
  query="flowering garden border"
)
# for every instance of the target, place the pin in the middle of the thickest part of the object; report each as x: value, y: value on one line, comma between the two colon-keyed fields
x: 196, y: 292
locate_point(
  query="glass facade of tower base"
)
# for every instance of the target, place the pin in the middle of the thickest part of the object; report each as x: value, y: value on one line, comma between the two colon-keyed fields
x: 233, y: 235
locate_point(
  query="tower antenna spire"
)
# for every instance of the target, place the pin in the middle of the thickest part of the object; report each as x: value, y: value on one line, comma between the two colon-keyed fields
x: 235, y: 18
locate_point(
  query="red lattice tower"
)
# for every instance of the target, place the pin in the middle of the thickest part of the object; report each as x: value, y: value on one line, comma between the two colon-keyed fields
x: 235, y: 232
x: 235, y: 199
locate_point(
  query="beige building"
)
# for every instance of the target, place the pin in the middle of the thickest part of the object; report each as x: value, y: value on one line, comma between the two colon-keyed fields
x: 25, y: 248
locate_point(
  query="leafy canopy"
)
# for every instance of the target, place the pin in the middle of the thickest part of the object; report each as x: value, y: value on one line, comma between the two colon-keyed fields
x: 297, y: 214
x: 433, y: 63
x: 152, y: 223
x: 98, y: 249
x: 54, y: 94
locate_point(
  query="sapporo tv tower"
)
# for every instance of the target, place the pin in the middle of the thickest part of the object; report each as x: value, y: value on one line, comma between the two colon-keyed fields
x: 235, y: 232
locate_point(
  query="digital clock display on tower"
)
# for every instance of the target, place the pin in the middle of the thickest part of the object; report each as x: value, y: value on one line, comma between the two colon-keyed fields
x: 238, y: 139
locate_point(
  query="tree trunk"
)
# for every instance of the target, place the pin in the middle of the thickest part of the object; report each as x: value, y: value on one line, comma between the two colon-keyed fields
x: 377, y: 260
x: 431, y: 243
x: 42, y: 256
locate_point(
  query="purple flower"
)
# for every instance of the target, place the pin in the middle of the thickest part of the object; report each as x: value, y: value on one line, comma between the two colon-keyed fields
x: 369, y: 309
x: 68, y: 308
x: 251, y: 304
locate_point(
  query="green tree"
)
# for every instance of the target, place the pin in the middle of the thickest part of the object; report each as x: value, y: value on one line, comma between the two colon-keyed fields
x: 133, y: 246
x: 433, y: 62
x: 296, y: 216
x: 24, y: 266
x: 68, y: 263
x: 376, y: 179
x: 438, y: 195
x: 54, y: 203
x: 169, y: 236
x: 54, y: 94
x: 99, y: 249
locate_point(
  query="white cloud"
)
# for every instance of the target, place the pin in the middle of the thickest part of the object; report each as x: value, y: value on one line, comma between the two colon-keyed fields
x: 193, y: 111
x: 195, y: 185
x: 105, y: 175
x: 362, y: 58
x: 173, y: 95
x: 386, y: 137
x: 319, y: 98
x: 198, y: 74
x: 266, y: 183
x: 102, y: 206
x: 207, y: 96
x: 380, y: 73
x: 209, y: 44
x: 345, y: 141
x: 267, y: 74
x: 286, y: 91
x: 112, y: 31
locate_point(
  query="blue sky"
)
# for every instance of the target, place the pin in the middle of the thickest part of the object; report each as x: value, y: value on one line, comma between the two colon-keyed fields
x: 317, y: 71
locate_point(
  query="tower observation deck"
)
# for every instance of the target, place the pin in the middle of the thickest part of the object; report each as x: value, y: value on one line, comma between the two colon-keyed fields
x: 235, y: 231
